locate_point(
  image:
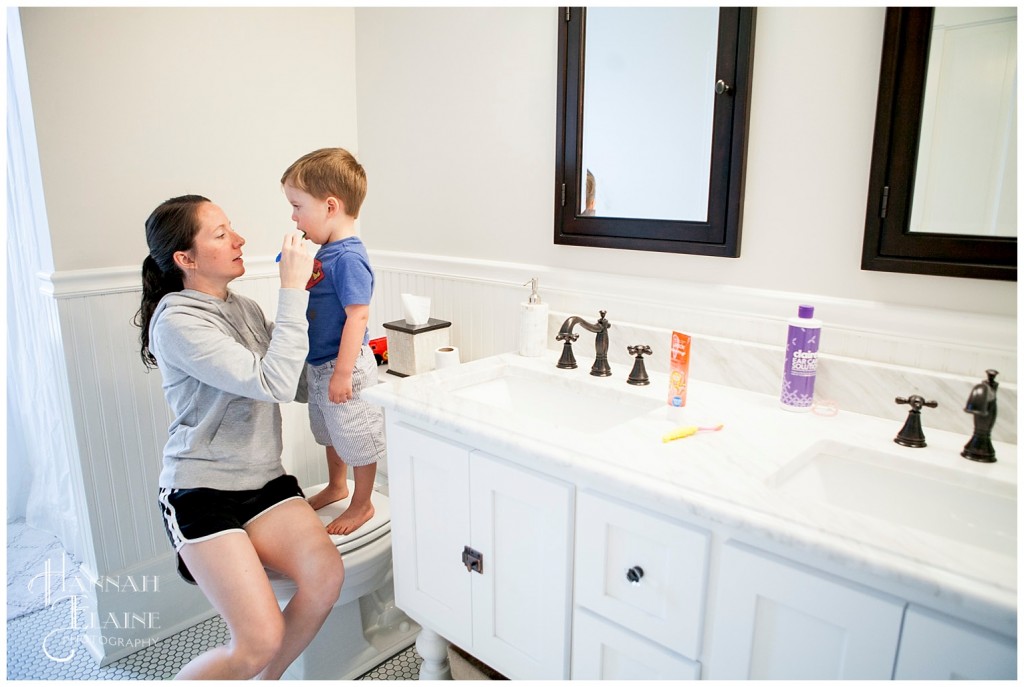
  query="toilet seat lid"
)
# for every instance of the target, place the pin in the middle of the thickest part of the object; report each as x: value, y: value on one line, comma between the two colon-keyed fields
x: 375, y: 528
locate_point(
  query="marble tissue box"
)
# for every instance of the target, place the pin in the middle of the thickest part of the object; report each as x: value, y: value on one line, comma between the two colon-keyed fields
x: 411, y: 346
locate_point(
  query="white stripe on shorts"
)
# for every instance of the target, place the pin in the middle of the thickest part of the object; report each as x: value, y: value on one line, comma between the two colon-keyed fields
x: 171, y: 518
x: 178, y: 539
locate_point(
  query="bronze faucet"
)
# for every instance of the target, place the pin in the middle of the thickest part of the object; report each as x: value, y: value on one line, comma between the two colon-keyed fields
x: 600, y: 368
x: 982, y: 404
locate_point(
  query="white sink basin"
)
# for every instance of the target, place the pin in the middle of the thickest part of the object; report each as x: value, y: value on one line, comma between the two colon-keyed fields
x: 956, y: 505
x: 558, y: 402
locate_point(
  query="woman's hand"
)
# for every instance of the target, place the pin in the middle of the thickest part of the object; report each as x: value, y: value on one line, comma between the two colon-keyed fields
x: 296, y: 263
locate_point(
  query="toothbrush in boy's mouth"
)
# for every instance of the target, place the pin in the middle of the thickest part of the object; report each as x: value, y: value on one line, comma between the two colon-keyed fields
x: 278, y: 258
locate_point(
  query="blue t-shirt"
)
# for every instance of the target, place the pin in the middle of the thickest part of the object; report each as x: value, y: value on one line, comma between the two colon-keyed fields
x: 342, y: 276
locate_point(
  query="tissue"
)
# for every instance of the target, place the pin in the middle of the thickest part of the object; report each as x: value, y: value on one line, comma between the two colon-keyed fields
x: 415, y: 308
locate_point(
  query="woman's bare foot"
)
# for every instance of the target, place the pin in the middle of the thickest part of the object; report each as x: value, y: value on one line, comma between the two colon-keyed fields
x: 329, y: 494
x: 354, y: 517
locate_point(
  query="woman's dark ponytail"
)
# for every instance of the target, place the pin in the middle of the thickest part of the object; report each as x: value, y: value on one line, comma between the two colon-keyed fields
x: 172, y: 227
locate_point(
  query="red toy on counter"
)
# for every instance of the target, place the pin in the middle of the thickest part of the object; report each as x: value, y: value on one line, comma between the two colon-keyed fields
x: 380, y: 349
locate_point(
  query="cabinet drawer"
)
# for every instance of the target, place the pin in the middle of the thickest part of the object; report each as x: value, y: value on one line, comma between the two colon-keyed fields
x: 641, y: 571
x: 603, y: 651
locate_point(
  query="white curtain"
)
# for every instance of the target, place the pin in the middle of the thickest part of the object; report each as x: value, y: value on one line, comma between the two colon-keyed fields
x: 43, y: 472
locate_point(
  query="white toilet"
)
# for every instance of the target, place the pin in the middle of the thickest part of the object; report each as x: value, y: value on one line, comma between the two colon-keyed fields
x: 365, y: 628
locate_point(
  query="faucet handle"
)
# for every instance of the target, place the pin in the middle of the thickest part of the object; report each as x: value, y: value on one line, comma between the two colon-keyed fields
x: 638, y: 376
x: 916, y: 402
x: 911, y: 434
x: 568, y: 360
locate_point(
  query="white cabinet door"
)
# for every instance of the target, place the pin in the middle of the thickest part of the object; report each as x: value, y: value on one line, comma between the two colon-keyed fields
x: 428, y: 480
x: 780, y: 620
x: 522, y: 525
x: 514, y: 614
x: 937, y: 647
x: 642, y: 571
x: 604, y: 651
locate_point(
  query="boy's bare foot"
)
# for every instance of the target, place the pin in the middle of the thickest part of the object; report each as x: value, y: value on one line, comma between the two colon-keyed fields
x: 329, y: 494
x: 352, y: 519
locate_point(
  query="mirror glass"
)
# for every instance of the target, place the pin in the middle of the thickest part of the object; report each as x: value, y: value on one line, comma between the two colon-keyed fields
x: 966, y: 179
x: 942, y: 187
x: 648, y: 104
x: 651, y: 123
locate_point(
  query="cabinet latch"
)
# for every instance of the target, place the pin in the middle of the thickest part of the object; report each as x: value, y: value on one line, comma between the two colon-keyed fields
x: 473, y: 560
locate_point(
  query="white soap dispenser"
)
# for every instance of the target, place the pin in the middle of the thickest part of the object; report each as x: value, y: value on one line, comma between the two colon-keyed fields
x: 533, y: 323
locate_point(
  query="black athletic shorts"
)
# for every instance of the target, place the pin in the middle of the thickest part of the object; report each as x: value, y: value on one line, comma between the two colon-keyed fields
x: 195, y: 515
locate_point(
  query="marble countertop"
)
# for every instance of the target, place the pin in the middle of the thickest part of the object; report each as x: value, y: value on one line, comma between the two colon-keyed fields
x: 606, y: 435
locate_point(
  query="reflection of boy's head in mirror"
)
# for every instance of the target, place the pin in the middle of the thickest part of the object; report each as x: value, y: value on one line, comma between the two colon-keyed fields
x: 589, y: 210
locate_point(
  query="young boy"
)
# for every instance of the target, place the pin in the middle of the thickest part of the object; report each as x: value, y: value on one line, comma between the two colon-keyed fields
x: 326, y: 189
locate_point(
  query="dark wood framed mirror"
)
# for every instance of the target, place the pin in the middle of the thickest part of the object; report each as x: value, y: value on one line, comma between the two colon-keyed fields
x: 658, y: 129
x: 971, y: 230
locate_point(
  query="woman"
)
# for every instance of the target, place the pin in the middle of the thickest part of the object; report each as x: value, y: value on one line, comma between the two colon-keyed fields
x: 228, y: 506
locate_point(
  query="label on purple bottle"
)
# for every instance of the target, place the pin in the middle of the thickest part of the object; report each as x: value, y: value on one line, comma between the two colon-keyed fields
x: 801, y: 367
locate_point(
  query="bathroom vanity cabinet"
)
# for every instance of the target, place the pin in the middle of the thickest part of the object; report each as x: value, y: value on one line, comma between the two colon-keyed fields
x: 482, y: 552
x: 633, y: 589
x: 610, y: 555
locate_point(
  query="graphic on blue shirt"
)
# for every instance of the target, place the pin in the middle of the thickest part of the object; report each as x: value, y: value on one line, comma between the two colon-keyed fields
x: 346, y: 279
x: 317, y: 276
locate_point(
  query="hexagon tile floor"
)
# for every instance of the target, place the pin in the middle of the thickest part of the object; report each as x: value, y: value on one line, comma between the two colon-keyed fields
x: 35, y: 651
x: 40, y: 647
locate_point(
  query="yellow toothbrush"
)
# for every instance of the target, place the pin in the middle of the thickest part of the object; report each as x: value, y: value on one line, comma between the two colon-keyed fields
x: 689, y: 430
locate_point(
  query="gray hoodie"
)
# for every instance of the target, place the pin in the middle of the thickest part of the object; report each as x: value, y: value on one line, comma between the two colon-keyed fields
x: 224, y: 376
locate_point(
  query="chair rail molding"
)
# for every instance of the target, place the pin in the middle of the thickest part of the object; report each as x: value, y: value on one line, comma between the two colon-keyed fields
x: 942, y: 340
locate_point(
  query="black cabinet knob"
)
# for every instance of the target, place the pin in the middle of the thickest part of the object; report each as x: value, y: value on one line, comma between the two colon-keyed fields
x: 634, y: 574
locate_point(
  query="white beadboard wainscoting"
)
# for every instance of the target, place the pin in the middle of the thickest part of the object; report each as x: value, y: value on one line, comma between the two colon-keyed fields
x: 870, y: 353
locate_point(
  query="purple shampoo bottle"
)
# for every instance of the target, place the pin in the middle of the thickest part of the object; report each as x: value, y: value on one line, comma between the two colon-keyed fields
x: 801, y: 361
